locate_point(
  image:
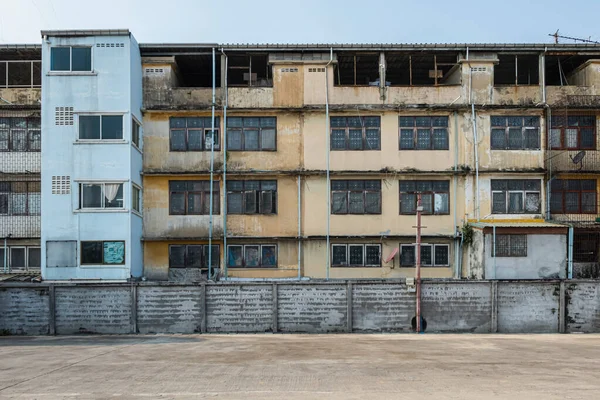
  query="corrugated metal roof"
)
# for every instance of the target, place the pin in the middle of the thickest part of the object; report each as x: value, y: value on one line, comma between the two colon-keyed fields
x: 88, y: 32
x: 20, y: 277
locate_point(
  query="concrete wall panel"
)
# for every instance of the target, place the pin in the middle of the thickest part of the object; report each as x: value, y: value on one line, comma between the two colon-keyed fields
x: 583, y: 307
x: 24, y: 311
x: 528, y: 307
x: 382, y: 308
x: 169, y: 309
x: 239, y: 308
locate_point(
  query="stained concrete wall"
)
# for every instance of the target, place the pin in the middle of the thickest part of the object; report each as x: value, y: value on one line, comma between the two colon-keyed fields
x: 307, y: 307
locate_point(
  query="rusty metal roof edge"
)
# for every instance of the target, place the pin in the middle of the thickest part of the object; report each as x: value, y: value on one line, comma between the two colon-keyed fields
x: 86, y: 32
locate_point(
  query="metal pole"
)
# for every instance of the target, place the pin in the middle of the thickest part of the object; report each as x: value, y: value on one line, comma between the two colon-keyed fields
x: 418, y: 261
x: 328, y: 139
x: 212, y: 163
x: 5, y: 255
x: 224, y: 149
x: 495, y: 256
x: 475, y: 148
x: 299, y: 226
x: 570, y: 255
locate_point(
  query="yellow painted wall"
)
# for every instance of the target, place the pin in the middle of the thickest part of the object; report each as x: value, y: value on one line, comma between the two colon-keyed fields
x: 288, y: 85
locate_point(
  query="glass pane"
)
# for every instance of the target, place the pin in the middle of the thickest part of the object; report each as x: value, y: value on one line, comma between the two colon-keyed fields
x: 17, y: 257
x: 357, y: 204
x: 250, y: 203
x: 339, y: 255
x: 113, y: 195
x: 234, y: 122
x: 338, y: 139
x: 61, y: 254
x: 407, y: 122
x: 407, y: 255
x: 3, y: 140
x: 571, y: 202
x: 356, y: 254
x: 356, y: 185
x: 515, y: 138
x: 424, y: 186
x: 252, y: 256
x: 34, y: 257
x: 266, y: 202
x: 60, y: 59
x: 499, y: 202
x: 441, y: 255
x: 498, y: 121
x: 373, y: 203
x: 423, y: 139
x: 209, y: 141
x: 194, y: 139
x: 251, y: 139
x: 532, y: 138
x: 91, y: 252
x: 441, y: 186
x: 339, y: 185
x: 406, y: 139
x: 439, y: 121
x: 82, y: 59
x: 440, y: 139
x: 194, y: 203
x: 34, y: 202
x: 92, y: 196
x: 89, y: 127
x: 587, y: 138
x: 408, y: 203
x: 112, y: 127
x: 235, y: 256
x: 427, y: 203
x: 270, y: 122
x: 177, y: 204
x: 426, y: 255
x: 35, y: 140
x: 234, y: 140
x: 407, y: 186
x: 515, y: 121
x: 498, y: 139
x: 135, y: 198
x: 518, y: 245
x: 532, y: 121
x: 251, y: 122
x: 268, y: 139
x: 372, y: 121
x: 423, y: 121
x: 114, y: 252
x: 269, y: 256
x: 234, y: 203
x: 515, y: 203
x: 556, y: 202
x: 338, y: 122
x: 355, y: 139
x: 373, y: 255
x: 571, y: 138
x: 178, y: 140
x: 19, y: 140
x: 354, y: 121
x: 215, y: 256
x: 339, y: 204
x: 532, y: 202
x: 372, y: 136
x: 193, y: 257
x: 177, y: 122
x: 441, y: 203
x: 588, y: 202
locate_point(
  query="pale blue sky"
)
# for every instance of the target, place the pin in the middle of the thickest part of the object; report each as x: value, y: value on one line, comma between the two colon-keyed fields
x: 308, y: 21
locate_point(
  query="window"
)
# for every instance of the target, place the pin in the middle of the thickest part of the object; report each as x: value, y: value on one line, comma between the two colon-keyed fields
x: 424, y: 133
x: 252, y: 256
x: 71, y: 59
x: 100, y: 127
x: 17, y: 257
x: 249, y: 70
x: 432, y: 255
x: 136, y: 199
x: 252, y: 133
x: 20, y: 134
x: 517, y: 70
x: 355, y: 197
x: 21, y: 257
x: 573, y: 196
x: 34, y: 257
x: 100, y: 195
x: 516, y: 196
x: 573, y: 132
x: 192, y: 256
x: 135, y: 133
x: 355, y: 133
x: 252, y: 197
x: 510, y: 246
x: 434, y: 197
x: 515, y: 133
x: 192, y: 198
x: 103, y: 252
x: 356, y: 255
x: 193, y: 134
x: 585, y: 247
x: 20, y: 198
x: 61, y: 254
x: 359, y: 69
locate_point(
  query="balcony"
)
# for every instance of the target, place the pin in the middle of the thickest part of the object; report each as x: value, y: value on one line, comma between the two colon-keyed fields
x: 20, y: 226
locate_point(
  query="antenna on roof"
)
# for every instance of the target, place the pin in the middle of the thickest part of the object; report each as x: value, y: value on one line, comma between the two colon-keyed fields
x: 556, y: 36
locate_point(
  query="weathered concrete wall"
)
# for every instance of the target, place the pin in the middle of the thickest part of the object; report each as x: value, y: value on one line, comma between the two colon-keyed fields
x: 583, y: 306
x: 24, y: 311
x: 312, y: 308
x: 528, y: 307
x: 239, y: 308
x: 175, y: 309
x: 87, y: 309
x: 381, y: 308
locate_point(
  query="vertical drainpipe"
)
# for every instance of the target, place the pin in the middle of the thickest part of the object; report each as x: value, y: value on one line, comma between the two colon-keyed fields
x: 212, y: 163
x: 570, y: 255
x: 454, y: 190
x: 299, y: 226
x: 475, y: 145
x: 327, y: 136
x: 224, y: 149
x: 494, y: 244
x: 5, y: 255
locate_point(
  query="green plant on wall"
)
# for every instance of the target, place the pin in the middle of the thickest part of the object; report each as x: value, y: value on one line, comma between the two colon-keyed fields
x: 467, y: 234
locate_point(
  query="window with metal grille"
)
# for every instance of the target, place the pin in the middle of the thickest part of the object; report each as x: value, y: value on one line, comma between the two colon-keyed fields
x: 356, y: 255
x: 515, y: 133
x: 193, y: 256
x: 252, y: 133
x: 434, y: 197
x: 63, y: 115
x: 61, y: 184
x: 510, y: 246
x: 355, y: 197
x: 101, y: 195
x: 573, y: 132
x: 193, y: 198
x: 20, y: 134
x: 252, y: 197
x: 355, y: 133
x: 20, y: 198
x: 71, y: 59
x: 252, y: 256
x: 102, y: 252
x: 586, y: 246
x: 432, y: 255
x: 424, y: 133
x: 193, y: 134
x: 573, y: 196
x: 516, y: 196
x: 100, y: 127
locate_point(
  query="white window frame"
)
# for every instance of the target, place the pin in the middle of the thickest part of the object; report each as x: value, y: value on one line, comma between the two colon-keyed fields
x: 70, y: 71
x: 100, y: 114
x: 138, y: 146
x: 433, y: 246
x: 347, y: 250
x: 27, y: 267
x: 139, y: 196
x: 103, y: 206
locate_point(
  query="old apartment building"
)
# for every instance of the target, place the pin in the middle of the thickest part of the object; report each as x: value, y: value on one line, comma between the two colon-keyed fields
x: 175, y: 161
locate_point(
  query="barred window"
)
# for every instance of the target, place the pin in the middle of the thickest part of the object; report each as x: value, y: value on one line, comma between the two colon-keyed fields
x: 573, y: 132
x: 20, y: 134
x: 516, y: 196
x: 20, y: 198
x: 356, y: 255
x: 515, y: 133
x: 355, y: 197
x: 193, y: 198
x: 510, y: 246
x: 434, y: 197
x: 252, y: 133
x: 252, y: 256
x: 193, y: 134
x: 573, y: 196
x: 252, y: 197
x: 424, y: 133
x: 432, y: 255
x: 193, y: 256
x: 355, y: 133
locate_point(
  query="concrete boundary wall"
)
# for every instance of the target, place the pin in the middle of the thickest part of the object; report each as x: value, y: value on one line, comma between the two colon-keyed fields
x: 303, y: 307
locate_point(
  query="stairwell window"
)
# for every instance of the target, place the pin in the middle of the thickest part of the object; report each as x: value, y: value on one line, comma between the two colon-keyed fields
x: 515, y: 133
x: 356, y: 255
x: 252, y: 133
x: 516, y: 196
x: 192, y: 256
x: 432, y: 255
x: 573, y: 196
x: 355, y: 133
x: 424, y: 133
x: 252, y: 197
x: 355, y: 197
x: 100, y: 127
x: 573, y: 132
x: 434, y: 197
x: 97, y: 196
x: 71, y: 59
x: 252, y: 256
x: 194, y: 134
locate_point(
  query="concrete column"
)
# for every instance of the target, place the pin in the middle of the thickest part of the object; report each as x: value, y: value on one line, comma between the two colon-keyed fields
x: 203, y: 308
x: 562, y: 328
x: 275, y: 307
x: 494, y: 293
x: 52, y: 309
x: 134, y: 308
x: 349, y: 307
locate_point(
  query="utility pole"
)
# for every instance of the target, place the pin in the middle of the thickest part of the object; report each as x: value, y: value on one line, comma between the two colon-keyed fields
x: 418, y: 261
